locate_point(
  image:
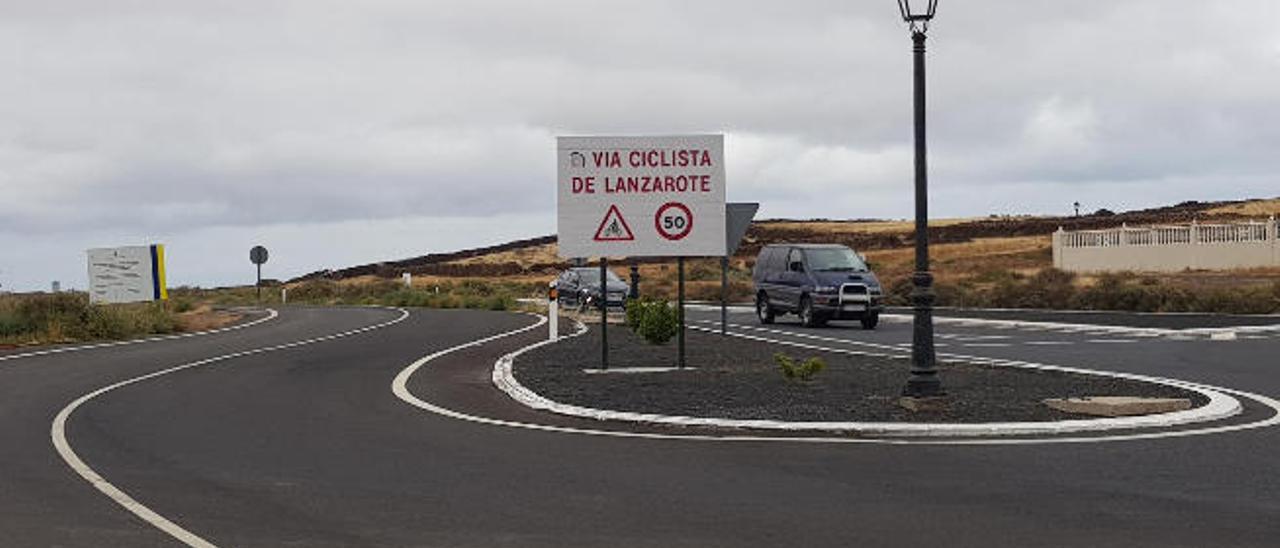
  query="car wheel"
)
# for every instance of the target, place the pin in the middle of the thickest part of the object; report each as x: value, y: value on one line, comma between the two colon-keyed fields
x: 807, y: 316
x: 763, y: 310
x: 870, y: 321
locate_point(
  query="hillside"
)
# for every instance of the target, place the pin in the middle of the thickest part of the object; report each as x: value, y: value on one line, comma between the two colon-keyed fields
x: 998, y: 261
x: 1019, y: 243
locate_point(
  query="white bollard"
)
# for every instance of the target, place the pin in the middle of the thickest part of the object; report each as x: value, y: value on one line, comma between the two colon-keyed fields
x: 408, y: 279
x: 553, y: 313
x: 284, y: 295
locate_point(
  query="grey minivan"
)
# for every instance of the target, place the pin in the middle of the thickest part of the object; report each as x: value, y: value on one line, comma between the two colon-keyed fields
x: 818, y: 283
x: 580, y: 287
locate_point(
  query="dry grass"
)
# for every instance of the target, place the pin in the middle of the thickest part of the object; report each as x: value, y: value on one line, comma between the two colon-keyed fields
x: 1025, y: 255
x: 850, y: 227
x: 529, y: 255
x: 1253, y: 208
x: 204, y: 317
x: 983, y: 267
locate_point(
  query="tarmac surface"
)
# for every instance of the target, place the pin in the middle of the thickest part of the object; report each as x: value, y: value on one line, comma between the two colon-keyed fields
x: 307, y: 445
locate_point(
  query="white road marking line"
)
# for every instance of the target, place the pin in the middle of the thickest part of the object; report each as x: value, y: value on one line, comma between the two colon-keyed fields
x: 984, y: 337
x: 987, y: 345
x: 1111, y: 341
x: 401, y: 391
x: 1049, y: 343
x: 1220, y: 406
x: 272, y: 314
x: 58, y: 432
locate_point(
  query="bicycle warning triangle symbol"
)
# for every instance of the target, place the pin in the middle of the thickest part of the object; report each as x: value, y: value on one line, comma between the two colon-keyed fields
x: 614, y: 228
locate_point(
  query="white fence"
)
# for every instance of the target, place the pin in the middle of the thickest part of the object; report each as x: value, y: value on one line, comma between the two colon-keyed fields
x: 1168, y: 248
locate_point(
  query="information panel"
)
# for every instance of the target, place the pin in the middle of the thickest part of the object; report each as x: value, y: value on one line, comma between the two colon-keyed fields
x: 641, y: 196
x: 127, y: 274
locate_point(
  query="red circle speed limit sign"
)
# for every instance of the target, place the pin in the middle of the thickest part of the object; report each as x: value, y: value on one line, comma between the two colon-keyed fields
x: 673, y: 221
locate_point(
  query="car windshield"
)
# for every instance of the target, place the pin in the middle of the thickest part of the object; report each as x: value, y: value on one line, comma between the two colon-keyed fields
x: 834, y: 259
x: 593, y: 276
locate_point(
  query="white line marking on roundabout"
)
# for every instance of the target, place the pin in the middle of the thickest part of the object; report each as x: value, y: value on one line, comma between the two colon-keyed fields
x: 58, y: 432
x: 399, y: 386
x: 271, y: 315
x: 1219, y: 406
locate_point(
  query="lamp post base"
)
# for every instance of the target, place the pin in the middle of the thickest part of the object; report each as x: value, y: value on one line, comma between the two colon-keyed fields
x: 923, y: 386
x: 924, y: 381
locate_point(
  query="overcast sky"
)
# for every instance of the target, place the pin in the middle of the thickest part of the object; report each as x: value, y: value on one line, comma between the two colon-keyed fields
x: 338, y: 133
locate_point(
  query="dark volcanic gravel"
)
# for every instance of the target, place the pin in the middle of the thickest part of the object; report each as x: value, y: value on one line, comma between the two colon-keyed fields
x: 738, y: 378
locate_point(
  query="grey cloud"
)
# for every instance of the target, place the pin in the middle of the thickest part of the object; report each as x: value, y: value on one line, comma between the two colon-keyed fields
x: 173, y: 116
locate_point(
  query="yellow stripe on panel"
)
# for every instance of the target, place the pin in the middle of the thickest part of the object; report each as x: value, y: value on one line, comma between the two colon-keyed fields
x: 164, y: 285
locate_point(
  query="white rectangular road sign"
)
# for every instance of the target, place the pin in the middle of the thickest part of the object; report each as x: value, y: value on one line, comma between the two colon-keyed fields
x: 641, y: 196
x: 127, y: 274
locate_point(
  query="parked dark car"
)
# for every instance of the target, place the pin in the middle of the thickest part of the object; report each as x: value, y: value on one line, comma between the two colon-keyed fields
x: 818, y: 283
x: 580, y: 287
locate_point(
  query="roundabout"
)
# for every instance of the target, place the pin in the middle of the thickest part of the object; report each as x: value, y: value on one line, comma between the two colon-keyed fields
x: 1218, y: 413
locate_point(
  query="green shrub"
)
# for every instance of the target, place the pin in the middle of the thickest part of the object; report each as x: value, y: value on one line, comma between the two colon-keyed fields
x: 11, y: 326
x: 183, y: 305
x: 655, y: 321
x: 793, y: 370
x: 633, y: 308
x: 69, y: 316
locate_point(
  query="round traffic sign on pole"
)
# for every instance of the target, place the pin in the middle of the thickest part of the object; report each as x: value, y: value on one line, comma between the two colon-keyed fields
x: 673, y: 220
x: 258, y: 255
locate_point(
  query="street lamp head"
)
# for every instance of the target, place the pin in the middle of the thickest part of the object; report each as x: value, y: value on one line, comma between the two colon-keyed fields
x: 919, y: 15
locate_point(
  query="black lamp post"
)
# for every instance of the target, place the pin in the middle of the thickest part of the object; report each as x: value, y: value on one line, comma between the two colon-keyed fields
x: 924, y: 381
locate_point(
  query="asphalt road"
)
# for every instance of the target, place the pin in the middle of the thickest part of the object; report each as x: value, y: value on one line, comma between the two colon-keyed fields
x: 307, y: 445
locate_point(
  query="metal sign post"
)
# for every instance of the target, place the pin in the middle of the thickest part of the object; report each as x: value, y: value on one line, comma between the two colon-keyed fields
x: 680, y: 311
x: 724, y: 295
x: 258, y: 256
x: 604, y: 313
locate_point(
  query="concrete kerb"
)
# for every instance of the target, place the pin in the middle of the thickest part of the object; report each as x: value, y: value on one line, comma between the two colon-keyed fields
x: 1220, y: 406
x: 1196, y: 333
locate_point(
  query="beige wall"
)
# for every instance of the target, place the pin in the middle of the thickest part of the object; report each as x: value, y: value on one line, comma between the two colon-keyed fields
x: 1102, y: 251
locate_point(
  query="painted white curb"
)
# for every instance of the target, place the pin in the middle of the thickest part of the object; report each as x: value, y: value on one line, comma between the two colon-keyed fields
x: 1220, y: 406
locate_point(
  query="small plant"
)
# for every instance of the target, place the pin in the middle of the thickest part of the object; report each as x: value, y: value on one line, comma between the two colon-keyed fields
x: 802, y: 371
x: 634, y: 309
x: 655, y: 321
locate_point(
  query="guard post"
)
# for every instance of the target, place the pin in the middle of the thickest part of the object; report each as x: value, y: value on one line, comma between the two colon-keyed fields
x: 553, y: 311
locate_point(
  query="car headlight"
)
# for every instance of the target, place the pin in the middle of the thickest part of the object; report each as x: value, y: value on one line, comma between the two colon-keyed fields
x: 825, y: 289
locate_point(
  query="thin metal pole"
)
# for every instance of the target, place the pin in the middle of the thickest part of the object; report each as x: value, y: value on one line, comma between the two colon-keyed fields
x: 259, y: 284
x: 680, y: 311
x: 724, y: 295
x: 635, y: 280
x: 924, y: 381
x: 604, y: 313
